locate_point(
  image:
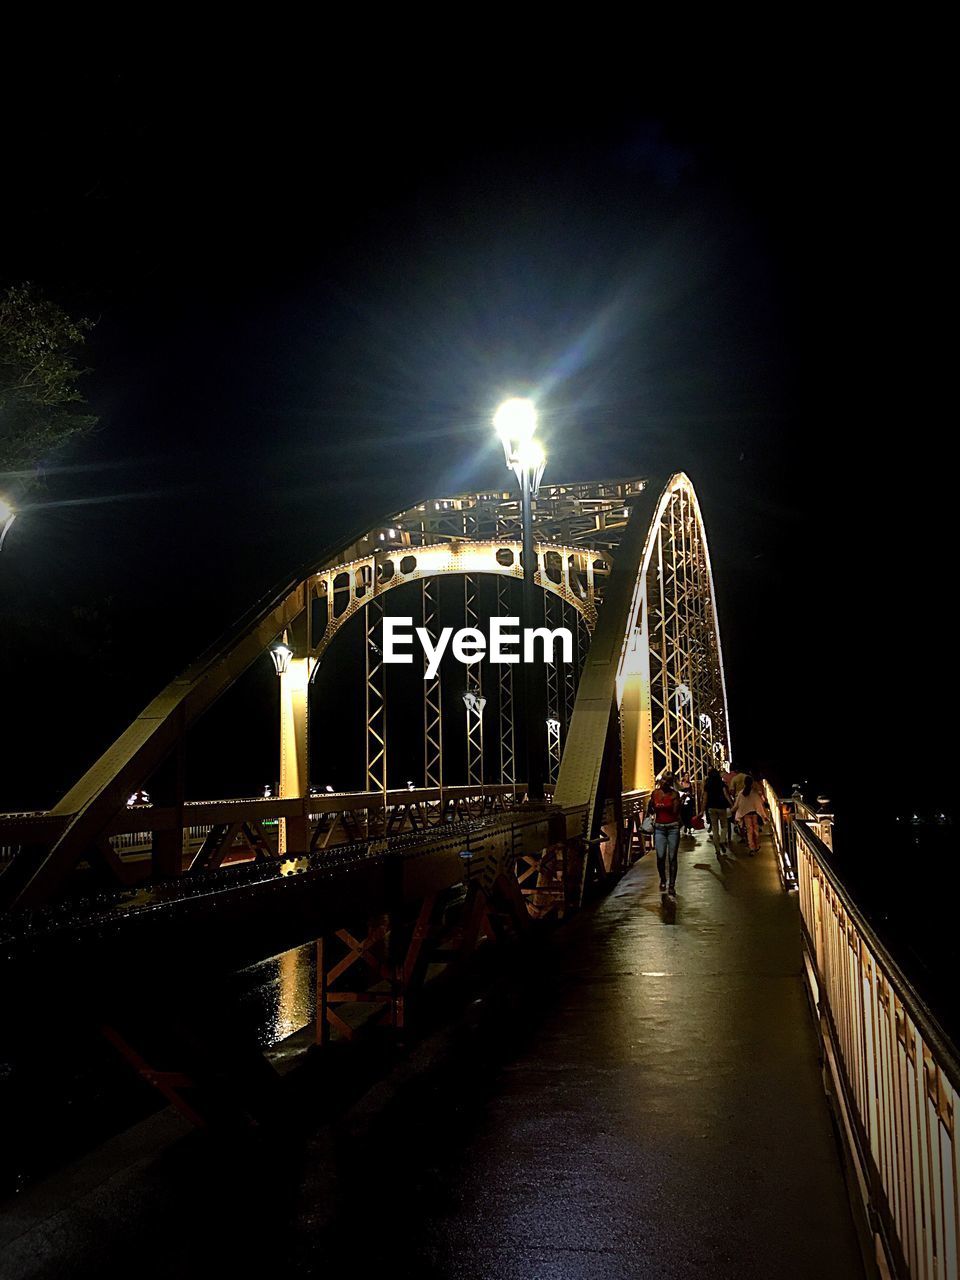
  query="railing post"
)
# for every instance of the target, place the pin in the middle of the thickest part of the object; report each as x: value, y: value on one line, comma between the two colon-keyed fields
x: 825, y: 821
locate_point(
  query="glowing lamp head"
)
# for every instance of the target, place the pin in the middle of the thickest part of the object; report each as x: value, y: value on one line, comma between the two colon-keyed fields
x: 515, y: 421
x: 516, y: 425
x: 281, y: 653
x: 530, y: 455
x: 7, y: 517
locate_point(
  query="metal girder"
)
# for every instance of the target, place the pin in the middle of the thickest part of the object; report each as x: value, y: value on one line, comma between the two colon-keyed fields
x: 432, y: 694
x: 505, y: 703
x: 655, y: 654
x: 376, y: 704
x: 348, y: 587
x: 689, y: 722
x: 474, y: 701
x: 553, y: 618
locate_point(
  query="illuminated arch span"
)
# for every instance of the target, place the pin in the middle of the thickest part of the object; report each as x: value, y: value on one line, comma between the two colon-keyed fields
x: 655, y: 655
x: 81, y: 818
x: 566, y: 572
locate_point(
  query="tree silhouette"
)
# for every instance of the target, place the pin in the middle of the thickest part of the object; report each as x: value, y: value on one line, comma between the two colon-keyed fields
x: 41, y: 404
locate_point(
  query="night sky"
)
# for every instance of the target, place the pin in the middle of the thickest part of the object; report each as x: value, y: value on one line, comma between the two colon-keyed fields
x: 309, y: 302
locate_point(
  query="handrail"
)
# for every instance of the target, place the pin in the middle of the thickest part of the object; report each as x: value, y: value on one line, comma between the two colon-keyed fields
x: 895, y: 1071
x: 781, y: 821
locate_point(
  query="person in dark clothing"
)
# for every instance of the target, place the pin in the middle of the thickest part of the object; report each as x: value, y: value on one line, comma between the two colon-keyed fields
x: 688, y: 803
x: 715, y: 801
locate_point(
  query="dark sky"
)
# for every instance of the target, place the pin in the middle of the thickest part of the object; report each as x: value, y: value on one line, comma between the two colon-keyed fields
x: 310, y: 298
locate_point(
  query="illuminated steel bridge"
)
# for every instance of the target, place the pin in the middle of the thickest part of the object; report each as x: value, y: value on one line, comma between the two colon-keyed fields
x: 137, y: 906
x: 624, y: 565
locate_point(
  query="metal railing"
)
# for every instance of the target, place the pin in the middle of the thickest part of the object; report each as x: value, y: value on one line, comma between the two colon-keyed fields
x: 784, y: 839
x: 895, y: 1074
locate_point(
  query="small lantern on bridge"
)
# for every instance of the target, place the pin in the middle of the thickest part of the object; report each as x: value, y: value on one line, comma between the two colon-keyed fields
x: 7, y: 517
x: 281, y: 653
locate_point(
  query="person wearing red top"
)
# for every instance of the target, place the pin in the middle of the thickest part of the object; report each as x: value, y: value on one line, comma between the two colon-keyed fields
x: 665, y: 803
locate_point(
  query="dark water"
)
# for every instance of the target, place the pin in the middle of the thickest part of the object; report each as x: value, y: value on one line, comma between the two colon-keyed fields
x: 64, y: 1089
x: 902, y: 868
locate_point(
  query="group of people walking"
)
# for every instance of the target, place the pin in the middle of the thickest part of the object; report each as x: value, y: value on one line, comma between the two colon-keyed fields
x: 726, y: 800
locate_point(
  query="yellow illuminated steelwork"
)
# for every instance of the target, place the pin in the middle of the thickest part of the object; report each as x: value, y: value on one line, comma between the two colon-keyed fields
x: 294, y: 749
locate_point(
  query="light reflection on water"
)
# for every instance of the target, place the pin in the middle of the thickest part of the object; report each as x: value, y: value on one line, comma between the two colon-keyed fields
x: 279, y: 994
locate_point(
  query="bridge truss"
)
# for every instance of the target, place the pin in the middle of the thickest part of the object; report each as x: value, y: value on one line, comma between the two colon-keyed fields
x: 138, y: 915
x: 626, y: 567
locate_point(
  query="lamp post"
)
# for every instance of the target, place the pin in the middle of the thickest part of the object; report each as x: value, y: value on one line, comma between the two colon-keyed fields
x: 294, y: 676
x: 516, y: 424
x: 7, y: 517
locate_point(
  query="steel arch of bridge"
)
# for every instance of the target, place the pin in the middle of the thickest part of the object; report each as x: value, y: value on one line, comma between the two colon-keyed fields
x: 671, y: 683
x: 565, y: 572
x: 651, y: 693
x: 654, y: 670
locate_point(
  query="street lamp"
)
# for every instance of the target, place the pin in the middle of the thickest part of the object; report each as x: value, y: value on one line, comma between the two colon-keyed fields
x: 516, y: 425
x: 281, y: 653
x: 7, y: 517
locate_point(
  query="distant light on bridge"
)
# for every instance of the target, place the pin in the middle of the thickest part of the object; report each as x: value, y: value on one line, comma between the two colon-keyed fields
x: 7, y: 517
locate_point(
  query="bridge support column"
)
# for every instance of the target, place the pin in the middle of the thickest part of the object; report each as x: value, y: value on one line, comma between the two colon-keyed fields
x: 295, y: 752
x: 635, y: 708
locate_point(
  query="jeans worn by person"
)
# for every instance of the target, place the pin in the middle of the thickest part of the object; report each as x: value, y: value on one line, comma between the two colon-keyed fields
x: 666, y: 840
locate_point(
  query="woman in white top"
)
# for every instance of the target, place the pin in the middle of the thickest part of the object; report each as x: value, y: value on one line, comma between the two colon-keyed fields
x: 750, y: 808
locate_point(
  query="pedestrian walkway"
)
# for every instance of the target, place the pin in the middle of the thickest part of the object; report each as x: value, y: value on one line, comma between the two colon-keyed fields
x: 642, y: 1099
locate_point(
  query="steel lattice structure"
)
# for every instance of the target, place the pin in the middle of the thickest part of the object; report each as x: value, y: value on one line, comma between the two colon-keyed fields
x: 625, y: 568
x: 689, y: 722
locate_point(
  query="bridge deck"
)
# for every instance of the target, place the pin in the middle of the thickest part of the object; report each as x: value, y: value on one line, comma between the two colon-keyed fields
x: 647, y: 1102
x: 638, y: 1097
